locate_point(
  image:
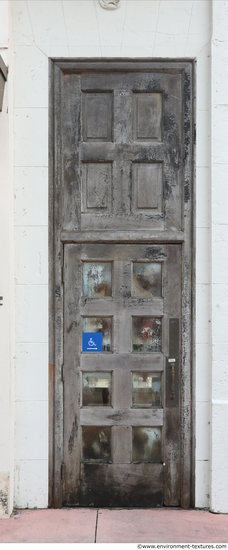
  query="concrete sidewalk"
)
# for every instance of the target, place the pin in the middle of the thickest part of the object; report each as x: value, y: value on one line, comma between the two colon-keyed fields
x: 106, y: 526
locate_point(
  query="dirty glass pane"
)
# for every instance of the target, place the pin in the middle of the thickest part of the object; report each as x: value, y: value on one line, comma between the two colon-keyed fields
x: 146, y: 334
x: 96, y: 444
x: 97, y: 279
x: 146, y: 444
x: 146, y: 389
x: 147, y: 279
x: 100, y: 324
x: 96, y: 388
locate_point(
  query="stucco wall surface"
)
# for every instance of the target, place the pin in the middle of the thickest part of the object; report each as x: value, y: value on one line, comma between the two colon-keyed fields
x: 6, y: 281
x: 81, y: 28
x: 219, y: 240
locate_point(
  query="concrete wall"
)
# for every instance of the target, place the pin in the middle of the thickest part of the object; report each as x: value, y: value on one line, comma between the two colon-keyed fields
x: 6, y: 282
x: 139, y: 28
x: 219, y: 240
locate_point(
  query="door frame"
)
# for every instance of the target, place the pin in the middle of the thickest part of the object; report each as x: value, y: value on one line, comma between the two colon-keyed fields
x: 57, y: 238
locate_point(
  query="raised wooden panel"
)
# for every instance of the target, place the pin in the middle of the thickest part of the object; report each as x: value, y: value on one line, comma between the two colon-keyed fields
x: 108, y: 485
x: 134, y: 121
x: 121, y: 438
x: 147, y: 116
x: 96, y: 186
x: 147, y: 186
x: 97, y: 116
x: 128, y: 362
x: 100, y: 416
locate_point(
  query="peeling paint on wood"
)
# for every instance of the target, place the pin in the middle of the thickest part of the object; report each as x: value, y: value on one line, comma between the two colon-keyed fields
x: 120, y: 84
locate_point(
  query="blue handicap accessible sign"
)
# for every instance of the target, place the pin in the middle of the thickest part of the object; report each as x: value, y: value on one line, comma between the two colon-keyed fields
x: 92, y: 341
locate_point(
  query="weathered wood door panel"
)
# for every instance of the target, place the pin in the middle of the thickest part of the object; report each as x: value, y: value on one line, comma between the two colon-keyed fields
x: 122, y: 145
x: 120, y: 274
x: 145, y: 295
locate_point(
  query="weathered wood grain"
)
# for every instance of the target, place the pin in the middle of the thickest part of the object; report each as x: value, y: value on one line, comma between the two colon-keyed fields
x: 51, y: 233
x: 187, y: 365
x: 103, y: 416
x: 131, y: 124
x: 133, y: 361
x: 121, y: 444
x: 131, y: 485
x: 148, y: 236
x: 85, y: 211
x: 57, y: 290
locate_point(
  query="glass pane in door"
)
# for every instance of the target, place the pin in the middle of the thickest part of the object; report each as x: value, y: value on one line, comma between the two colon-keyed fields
x: 146, y: 390
x: 146, y: 334
x: 96, y: 388
x: 97, y: 279
x: 96, y: 443
x: 147, y: 279
x: 146, y: 444
x: 99, y: 324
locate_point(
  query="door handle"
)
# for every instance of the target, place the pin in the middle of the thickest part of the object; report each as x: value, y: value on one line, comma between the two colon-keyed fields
x: 172, y: 366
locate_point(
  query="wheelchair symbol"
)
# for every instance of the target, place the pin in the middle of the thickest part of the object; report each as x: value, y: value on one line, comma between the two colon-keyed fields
x: 91, y: 343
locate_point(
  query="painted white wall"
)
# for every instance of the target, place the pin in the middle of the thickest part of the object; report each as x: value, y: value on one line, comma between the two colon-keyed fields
x: 82, y: 28
x: 139, y: 28
x: 6, y: 285
x: 219, y: 240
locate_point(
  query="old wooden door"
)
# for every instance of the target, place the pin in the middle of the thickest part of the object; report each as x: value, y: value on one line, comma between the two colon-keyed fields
x: 122, y: 269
